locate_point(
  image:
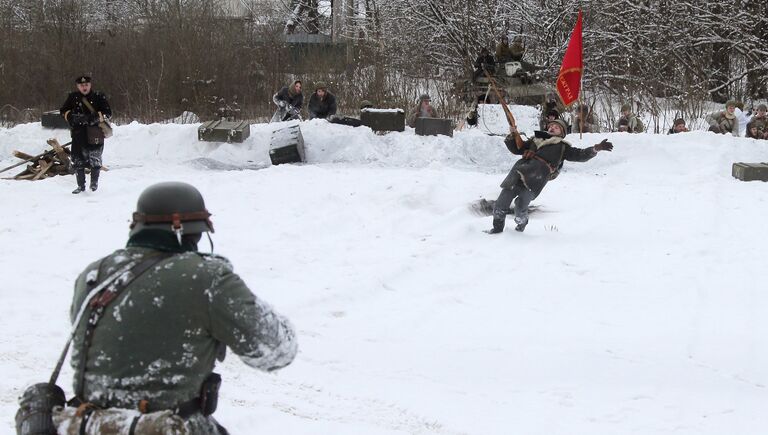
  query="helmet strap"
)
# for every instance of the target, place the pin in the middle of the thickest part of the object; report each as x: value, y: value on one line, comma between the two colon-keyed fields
x: 210, y: 240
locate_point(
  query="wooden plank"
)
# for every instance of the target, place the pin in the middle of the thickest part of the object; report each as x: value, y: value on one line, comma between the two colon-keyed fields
x: 44, y: 167
x: 21, y: 155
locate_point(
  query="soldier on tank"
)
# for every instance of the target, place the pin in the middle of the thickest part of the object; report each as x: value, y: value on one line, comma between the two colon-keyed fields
x: 289, y: 100
x: 423, y: 110
x: 483, y: 63
x: 83, y: 110
x: 725, y: 121
x: 543, y: 157
x: 322, y: 104
x: 503, y: 51
x: 632, y: 122
x: 154, y: 347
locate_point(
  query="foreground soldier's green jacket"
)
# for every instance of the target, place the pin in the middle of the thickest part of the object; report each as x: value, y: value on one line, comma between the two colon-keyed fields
x: 160, y: 338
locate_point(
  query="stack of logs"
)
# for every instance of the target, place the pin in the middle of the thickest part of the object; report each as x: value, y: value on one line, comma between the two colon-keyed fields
x: 53, y: 162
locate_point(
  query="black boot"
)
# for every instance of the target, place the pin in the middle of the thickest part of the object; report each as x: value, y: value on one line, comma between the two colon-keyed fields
x: 521, y: 222
x: 95, y: 178
x: 499, y: 218
x: 80, y: 177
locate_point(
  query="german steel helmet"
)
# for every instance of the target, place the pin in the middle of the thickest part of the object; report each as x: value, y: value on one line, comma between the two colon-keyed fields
x: 172, y: 206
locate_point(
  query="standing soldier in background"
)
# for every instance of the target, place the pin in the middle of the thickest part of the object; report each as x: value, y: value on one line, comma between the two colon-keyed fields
x: 83, y: 110
x: 725, y: 121
x: 503, y: 51
x: 149, y: 341
x: 322, y: 104
x: 633, y: 123
x: 288, y: 100
x: 584, y: 121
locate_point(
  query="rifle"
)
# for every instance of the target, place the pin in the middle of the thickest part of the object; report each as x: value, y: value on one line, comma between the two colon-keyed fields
x: 507, y: 112
x: 46, y: 154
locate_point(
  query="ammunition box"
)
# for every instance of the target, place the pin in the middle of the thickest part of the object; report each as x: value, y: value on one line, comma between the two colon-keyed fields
x: 383, y: 119
x: 750, y: 171
x: 224, y: 131
x: 287, y: 146
x: 53, y: 119
x: 434, y: 126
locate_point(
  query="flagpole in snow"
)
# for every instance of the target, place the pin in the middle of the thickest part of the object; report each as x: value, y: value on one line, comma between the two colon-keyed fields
x: 569, y: 79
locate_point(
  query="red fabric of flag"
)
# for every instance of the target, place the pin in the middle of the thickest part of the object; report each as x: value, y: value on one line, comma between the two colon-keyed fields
x: 569, y: 78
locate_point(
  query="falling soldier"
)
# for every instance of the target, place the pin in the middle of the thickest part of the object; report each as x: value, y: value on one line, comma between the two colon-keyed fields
x: 543, y: 157
x: 85, y: 110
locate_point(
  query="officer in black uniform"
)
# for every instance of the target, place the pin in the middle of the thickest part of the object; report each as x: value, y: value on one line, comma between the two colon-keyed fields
x: 84, y: 109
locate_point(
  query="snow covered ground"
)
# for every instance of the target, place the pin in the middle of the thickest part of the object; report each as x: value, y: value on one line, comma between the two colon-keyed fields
x: 634, y: 303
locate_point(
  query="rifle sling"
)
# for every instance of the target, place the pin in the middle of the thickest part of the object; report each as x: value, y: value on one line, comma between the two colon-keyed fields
x: 100, y: 301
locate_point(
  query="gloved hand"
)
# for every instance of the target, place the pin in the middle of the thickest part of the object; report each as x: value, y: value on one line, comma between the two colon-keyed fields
x: 604, y: 146
x: 528, y: 154
x: 77, y: 119
x: 281, y: 104
x: 512, y: 129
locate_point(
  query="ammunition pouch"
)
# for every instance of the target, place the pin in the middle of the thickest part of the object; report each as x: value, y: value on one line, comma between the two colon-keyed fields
x: 209, y: 394
x: 95, y: 135
x: 36, y: 408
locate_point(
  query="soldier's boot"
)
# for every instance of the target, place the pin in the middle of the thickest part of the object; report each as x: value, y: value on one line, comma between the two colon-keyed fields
x: 80, y: 177
x: 521, y: 222
x: 499, y: 219
x: 95, y: 178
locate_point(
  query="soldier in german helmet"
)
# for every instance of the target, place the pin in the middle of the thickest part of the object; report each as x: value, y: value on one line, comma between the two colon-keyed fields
x: 157, y: 341
x: 84, y: 109
x: 724, y: 121
x: 543, y: 157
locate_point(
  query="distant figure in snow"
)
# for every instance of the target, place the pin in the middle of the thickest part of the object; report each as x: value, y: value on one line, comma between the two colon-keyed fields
x: 725, y: 121
x: 288, y: 100
x: 633, y: 123
x: 678, y: 126
x: 423, y: 110
x: 584, y: 120
x: 84, y: 109
x: 543, y: 157
x: 322, y: 104
x: 503, y: 51
x: 152, y: 345
x: 760, y: 119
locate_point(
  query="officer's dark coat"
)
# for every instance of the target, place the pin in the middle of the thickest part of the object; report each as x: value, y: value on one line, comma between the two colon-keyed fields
x: 321, y: 108
x: 74, y: 105
x: 534, y: 173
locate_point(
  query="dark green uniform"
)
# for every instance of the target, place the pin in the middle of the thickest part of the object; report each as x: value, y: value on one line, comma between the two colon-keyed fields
x: 159, y: 339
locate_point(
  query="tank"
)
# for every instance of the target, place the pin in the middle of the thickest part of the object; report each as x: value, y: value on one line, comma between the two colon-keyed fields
x: 517, y: 80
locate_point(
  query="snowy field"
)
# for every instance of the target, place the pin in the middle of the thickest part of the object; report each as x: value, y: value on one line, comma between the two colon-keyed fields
x: 634, y: 303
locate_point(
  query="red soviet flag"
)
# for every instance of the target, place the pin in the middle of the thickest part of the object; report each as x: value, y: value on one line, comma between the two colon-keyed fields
x: 569, y: 78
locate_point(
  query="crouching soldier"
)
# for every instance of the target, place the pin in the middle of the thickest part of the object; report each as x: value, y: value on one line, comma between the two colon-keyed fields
x: 322, y: 104
x: 542, y: 160
x: 725, y: 121
x: 628, y: 121
x: 146, y: 346
x: 288, y: 100
x: 678, y: 126
x: 84, y: 109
